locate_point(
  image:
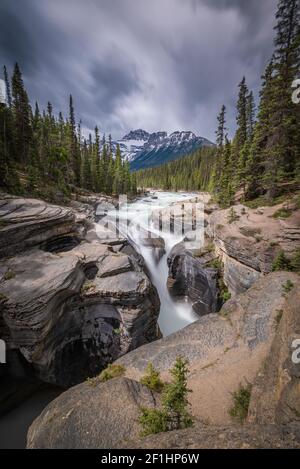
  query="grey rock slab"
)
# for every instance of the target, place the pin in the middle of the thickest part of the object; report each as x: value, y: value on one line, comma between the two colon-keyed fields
x: 90, y: 416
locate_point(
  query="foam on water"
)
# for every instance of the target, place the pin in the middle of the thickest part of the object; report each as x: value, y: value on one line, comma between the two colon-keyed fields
x: 174, y: 315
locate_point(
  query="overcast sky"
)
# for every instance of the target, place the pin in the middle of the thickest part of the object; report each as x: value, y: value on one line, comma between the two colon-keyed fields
x: 155, y: 64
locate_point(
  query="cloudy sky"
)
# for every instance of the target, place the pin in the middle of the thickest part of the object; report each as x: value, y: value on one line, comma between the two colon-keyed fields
x: 159, y: 64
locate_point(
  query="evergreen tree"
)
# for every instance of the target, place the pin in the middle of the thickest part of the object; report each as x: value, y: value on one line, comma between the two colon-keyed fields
x: 250, y: 113
x: 255, y: 163
x: 86, y: 174
x: 241, y: 119
x: 74, y: 154
x: 220, y: 132
x: 118, y: 173
x: 226, y: 183
x: 220, y: 137
x: 21, y: 113
x: 174, y: 400
x: 7, y: 87
x: 283, y: 145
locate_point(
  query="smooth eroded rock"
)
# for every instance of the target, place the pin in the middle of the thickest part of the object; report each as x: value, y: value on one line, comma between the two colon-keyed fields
x: 25, y: 223
x: 189, y: 279
x: 89, y: 416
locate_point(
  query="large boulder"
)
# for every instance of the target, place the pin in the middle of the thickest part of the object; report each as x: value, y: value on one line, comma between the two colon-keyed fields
x: 91, y: 416
x: 189, y: 279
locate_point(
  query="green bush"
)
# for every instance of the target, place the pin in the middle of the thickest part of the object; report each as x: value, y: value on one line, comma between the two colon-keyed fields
x: 232, y: 216
x: 288, y: 286
x: 153, y: 421
x: 278, y: 317
x: 9, y: 274
x: 175, y: 394
x: 281, y: 262
x: 226, y: 295
x: 215, y: 264
x: 283, y: 213
x: 174, y: 414
x: 3, y: 298
x: 112, y: 371
x: 295, y: 262
x: 152, y: 379
x: 241, y: 401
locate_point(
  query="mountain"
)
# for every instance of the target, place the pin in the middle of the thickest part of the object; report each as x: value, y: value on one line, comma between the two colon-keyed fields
x: 145, y: 150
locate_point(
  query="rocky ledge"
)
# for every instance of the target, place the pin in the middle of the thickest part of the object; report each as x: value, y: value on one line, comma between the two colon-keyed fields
x: 70, y: 304
x: 248, y: 240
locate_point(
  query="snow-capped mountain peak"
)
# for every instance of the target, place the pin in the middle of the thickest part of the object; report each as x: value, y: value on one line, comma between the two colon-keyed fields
x: 138, y: 134
x: 144, y: 149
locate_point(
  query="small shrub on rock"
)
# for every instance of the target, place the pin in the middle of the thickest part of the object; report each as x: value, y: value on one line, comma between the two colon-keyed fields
x: 288, y: 286
x: 9, y: 274
x: 175, y: 394
x: 281, y: 262
x: 282, y: 213
x: 112, y: 371
x: 152, y: 379
x: 241, y: 401
x: 232, y: 216
x: 295, y: 262
x: 153, y: 421
x: 174, y: 414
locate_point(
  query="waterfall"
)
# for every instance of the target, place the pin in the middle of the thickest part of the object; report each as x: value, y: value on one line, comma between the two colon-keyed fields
x: 133, y: 219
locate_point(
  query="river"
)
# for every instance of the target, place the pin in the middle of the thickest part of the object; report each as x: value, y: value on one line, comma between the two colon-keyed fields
x: 136, y: 218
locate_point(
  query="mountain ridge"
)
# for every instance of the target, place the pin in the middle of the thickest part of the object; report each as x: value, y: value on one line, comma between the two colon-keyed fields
x: 145, y: 150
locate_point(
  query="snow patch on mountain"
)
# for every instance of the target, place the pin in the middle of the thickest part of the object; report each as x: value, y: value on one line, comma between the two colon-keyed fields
x: 144, y: 149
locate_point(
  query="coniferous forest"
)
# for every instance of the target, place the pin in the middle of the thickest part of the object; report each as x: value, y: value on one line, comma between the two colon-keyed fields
x: 263, y: 158
x: 47, y: 156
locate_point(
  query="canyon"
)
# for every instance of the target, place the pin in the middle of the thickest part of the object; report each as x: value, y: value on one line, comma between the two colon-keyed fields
x: 73, y: 301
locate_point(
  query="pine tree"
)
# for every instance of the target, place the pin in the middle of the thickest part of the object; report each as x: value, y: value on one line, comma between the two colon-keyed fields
x: 21, y: 113
x: 241, y: 119
x: 220, y: 137
x: 174, y: 401
x: 118, y: 176
x: 86, y: 175
x: 74, y: 154
x: 4, y: 156
x: 257, y: 155
x: 250, y: 114
x: 244, y: 135
x: 226, y: 184
x: 283, y: 145
x: 7, y: 87
x: 220, y: 132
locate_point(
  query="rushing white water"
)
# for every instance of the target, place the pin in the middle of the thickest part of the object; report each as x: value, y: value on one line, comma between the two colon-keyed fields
x: 174, y: 315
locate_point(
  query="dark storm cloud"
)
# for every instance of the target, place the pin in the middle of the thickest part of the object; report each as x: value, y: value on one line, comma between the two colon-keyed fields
x: 113, y: 80
x: 160, y: 65
x: 16, y: 41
